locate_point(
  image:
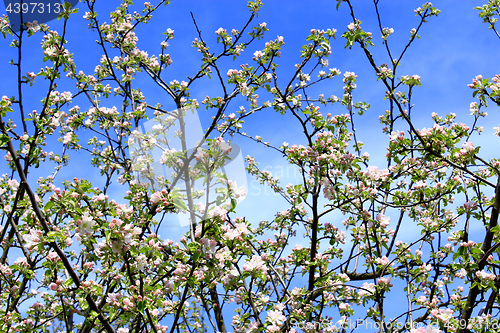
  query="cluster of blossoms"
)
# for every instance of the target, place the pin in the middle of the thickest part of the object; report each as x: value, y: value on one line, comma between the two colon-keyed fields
x: 413, y: 80
x: 386, y: 32
x: 255, y: 264
x: 384, y: 71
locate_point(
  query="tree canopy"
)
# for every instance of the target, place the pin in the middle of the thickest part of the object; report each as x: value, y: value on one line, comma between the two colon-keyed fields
x: 106, y: 155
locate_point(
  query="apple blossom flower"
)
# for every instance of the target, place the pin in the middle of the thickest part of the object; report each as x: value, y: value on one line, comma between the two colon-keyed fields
x: 255, y: 264
x: 442, y: 314
x: 220, y: 31
x: 224, y: 146
x: 155, y: 197
x: 461, y: 273
x: 258, y: 54
x: 497, y: 130
x: 32, y: 238
x: 386, y: 32
x: 201, y: 154
x: 384, y: 281
x: 470, y: 205
x: 245, y: 91
x: 275, y: 317
x: 367, y: 288
x: 238, y: 192
x: 485, y: 275
x: 384, y: 261
x: 468, y: 146
x: 67, y: 138
x: 474, y: 109
x: 344, y: 306
x: 116, y: 246
x: 113, y: 298
x: 218, y: 211
x: 100, y: 197
x: 420, y: 184
x: 232, y: 72
x: 208, y: 245
x: 383, y: 220
x: 422, y: 299
x: 86, y: 225
x: 201, y: 207
x: 127, y: 302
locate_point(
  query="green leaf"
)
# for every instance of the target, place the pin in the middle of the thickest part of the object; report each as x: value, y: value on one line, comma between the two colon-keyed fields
x: 4, y: 138
x: 495, y: 229
x: 51, y: 236
x: 196, y: 256
x: 193, y: 247
x: 220, y: 199
x: 68, y: 282
x: 179, y: 203
x: 459, y: 252
x: 48, y: 205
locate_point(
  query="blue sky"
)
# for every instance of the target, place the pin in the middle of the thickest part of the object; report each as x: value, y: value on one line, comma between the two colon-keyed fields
x: 453, y: 49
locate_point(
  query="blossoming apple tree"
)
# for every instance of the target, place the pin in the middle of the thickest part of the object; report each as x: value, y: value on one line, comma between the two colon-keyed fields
x: 76, y: 259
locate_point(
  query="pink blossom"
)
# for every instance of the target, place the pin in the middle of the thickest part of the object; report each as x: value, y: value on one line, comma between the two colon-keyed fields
x: 485, y: 275
x: 32, y: 238
x: 218, y: 211
x: 384, y: 261
x: 344, y: 306
x: 422, y: 299
x: 384, y: 281
x: 420, y: 184
x: 366, y: 289
x: 442, y: 314
x: 256, y: 263
x: 275, y: 317
x: 201, y: 154
x: 258, y: 54
x: 497, y: 130
x: 468, y: 146
x: 156, y: 197
x: 383, y: 220
x: 113, y: 298
x: 232, y: 72
x: 127, y: 302
x: 67, y: 138
x: 86, y: 225
x: 470, y: 205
